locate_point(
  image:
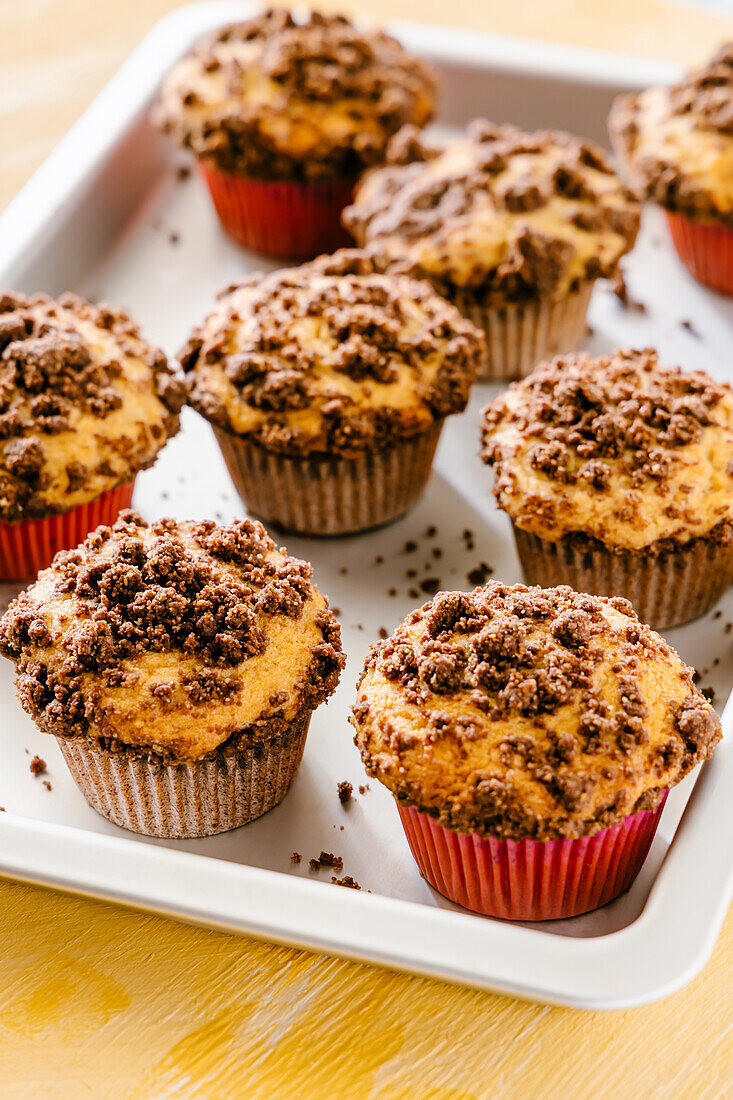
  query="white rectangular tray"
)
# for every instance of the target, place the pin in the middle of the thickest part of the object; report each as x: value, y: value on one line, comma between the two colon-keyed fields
x: 108, y: 216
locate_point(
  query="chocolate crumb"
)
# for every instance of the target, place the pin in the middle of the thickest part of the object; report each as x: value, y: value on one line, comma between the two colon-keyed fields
x: 688, y: 325
x: 313, y: 865
x: 413, y: 593
x: 378, y: 560
x: 327, y: 859
x: 430, y: 585
x: 347, y: 880
x: 345, y: 791
x: 363, y: 788
x: 392, y: 592
x: 343, y: 570
x: 174, y: 238
x: 295, y: 857
x: 383, y: 632
x: 183, y: 173
x: 47, y: 785
x: 38, y: 766
x: 709, y: 693
x: 411, y: 573
x: 480, y: 574
x: 717, y: 614
x: 728, y: 627
x: 410, y: 547
x: 431, y: 532
x: 437, y: 552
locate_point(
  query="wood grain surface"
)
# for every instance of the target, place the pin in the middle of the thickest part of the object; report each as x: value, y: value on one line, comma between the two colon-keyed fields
x: 103, y: 1002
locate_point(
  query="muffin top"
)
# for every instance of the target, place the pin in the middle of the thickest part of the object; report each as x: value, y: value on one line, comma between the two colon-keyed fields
x: 498, y: 212
x: 331, y: 357
x: 618, y: 448
x: 677, y: 142
x: 529, y: 712
x: 85, y: 403
x: 172, y: 637
x: 274, y: 99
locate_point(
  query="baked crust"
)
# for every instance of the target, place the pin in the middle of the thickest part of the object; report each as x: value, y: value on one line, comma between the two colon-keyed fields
x: 331, y: 358
x: 499, y: 215
x: 173, y: 638
x: 527, y: 712
x: 676, y: 143
x: 619, y: 449
x: 85, y: 403
x: 276, y: 99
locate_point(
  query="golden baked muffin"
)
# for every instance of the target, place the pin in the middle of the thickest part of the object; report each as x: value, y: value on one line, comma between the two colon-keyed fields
x: 85, y: 403
x: 303, y: 105
x: 676, y: 145
x: 515, y: 714
x: 328, y: 385
x: 617, y: 474
x: 178, y: 665
x: 513, y: 228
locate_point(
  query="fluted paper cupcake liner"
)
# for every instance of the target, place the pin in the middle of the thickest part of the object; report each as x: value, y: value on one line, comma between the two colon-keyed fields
x: 281, y: 218
x: 705, y: 249
x: 666, y: 589
x: 330, y: 494
x: 220, y: 792
x: 530, y: 879
x: 519, y: 335
x: 29, y: 545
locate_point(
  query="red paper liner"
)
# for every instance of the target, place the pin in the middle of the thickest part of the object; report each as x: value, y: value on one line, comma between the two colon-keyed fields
x: 284, y: 219
x: 705, y: 249
x: 530, y: 879
x: 28, y: 546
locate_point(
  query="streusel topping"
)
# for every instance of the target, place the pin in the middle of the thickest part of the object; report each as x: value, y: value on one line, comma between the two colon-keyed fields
x: 500, y: 212
x: 529, y: 712
x: 618, y: 448
x: 677, y: 142
x: 275, y: 98
x: 85, y: 402
x: 173, y: 637
x: 331, y: 357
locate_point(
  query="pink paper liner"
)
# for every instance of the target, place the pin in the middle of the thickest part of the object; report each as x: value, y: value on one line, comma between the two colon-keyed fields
x: 530, y: 879
x: 29, y: 545
x: 705, y: 249
x: 283, y: 219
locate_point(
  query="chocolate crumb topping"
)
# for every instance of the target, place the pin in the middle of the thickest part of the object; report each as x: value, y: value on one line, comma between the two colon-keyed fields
x: 76, y: 378
x: 528, y: 712
x: 331, y: 357
x: 677, y: 143
x: 274, y: 98
x: 616, y: 448
x: 498, y: 216
x: 129, y: 637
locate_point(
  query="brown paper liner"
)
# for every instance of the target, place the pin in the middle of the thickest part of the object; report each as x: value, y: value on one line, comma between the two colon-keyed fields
x: 330, y: 494
x: 519, y: 335
x: 666, y: 589
x: 221, y: 792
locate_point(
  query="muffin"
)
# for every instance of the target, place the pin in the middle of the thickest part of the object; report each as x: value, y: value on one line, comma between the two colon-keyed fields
x: 529, y: 737
x: 328, y: 385
x: 177, y: 665
x: 512, y: 228
x: 283, y: 117
x: 677, y: 146
x: 617, y: 474
x: 85, y: 402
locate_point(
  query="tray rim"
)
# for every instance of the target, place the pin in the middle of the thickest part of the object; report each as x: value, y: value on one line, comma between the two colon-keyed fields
x: 617, y: 970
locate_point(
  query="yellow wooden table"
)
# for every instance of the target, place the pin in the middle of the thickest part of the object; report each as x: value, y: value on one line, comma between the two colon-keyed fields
x: 102, y: 1002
